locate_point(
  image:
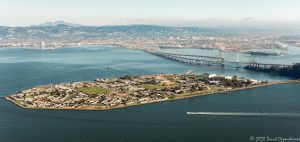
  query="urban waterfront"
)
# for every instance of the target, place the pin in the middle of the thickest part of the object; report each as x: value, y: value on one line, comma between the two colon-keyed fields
x: 165, y: 121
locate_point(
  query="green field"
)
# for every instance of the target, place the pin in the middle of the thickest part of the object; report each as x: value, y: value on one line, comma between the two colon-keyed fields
x: 156, y: 86
x: 93, y: 90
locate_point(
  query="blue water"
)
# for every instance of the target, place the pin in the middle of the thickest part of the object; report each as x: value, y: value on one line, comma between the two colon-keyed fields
x: 166, y: 121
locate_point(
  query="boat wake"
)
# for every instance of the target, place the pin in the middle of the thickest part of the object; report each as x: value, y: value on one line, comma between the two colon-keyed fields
x: 244, y: 114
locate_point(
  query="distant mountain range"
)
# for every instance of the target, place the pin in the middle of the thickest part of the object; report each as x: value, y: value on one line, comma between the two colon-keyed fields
x: 55, y: 23
x: 61, y: 29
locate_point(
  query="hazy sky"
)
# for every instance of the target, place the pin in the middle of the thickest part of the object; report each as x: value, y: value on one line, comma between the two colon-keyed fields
x: 160, y: 12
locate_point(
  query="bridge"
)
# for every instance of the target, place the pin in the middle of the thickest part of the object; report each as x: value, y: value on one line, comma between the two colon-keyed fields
x: 190, y: 59
x: 265, y: 66
x: 210, y: 61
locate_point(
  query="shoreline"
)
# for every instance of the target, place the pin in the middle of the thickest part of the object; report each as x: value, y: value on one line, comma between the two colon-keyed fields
x: 195, y: 94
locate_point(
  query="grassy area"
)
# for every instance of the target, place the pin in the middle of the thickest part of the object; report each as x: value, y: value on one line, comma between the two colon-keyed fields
x: 19, y: 101
x: 212, y: 90
x: 156, y: 86
x: 41, y: 87
x: 93, y: 90
x: 29, y: 96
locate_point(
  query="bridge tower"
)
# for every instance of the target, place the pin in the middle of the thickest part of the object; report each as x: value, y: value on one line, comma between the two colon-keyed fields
x: 221, y: 50
x: 237, y: 59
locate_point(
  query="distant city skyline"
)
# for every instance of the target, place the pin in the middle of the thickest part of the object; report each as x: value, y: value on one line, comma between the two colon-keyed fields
x: 201, y: 13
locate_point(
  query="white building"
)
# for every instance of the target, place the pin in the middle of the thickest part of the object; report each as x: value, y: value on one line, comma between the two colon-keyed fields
x: 228, y: 77
x: 212, y: 75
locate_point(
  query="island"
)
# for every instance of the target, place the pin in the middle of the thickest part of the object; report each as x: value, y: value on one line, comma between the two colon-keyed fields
x: 103, y: 94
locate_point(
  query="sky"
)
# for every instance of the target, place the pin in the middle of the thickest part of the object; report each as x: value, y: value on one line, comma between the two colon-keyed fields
x: 202, y: 13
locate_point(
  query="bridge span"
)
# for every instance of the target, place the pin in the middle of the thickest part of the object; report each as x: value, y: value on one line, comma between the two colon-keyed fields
x: 190, y: 59
x: 262, y: 65
x: 211, y: 61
